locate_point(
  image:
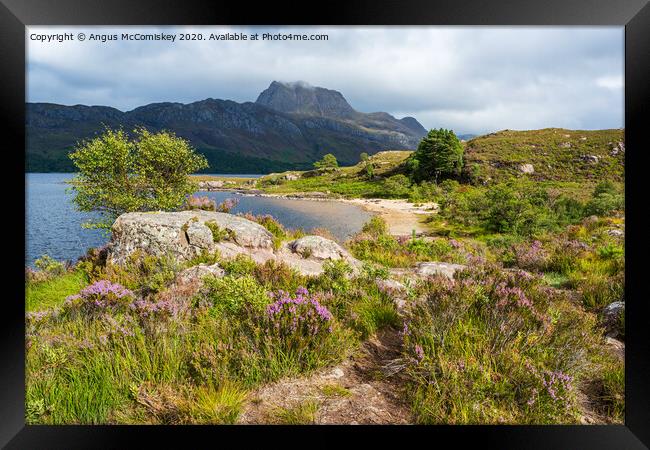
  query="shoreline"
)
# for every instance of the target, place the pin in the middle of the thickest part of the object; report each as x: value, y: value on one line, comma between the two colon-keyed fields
x: 401, y: 216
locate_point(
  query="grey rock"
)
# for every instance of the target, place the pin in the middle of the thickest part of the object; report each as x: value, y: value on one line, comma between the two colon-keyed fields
x: 526, y: 168
x: 318, y: 247
x: 616, y: 233
x: 199, y: 272
x: 199, y: 235
x: 308, y: 254
x: 593, y: 159
x: 613, y: 319
x: 210, y: 185
x: 389, y: 285
x: 182, y: 234
x: 427, y: 269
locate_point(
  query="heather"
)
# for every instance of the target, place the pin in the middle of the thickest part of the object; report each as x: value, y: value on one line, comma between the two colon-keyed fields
x: 497, y: 347
x: 514, y: 331
x: 117, y: 354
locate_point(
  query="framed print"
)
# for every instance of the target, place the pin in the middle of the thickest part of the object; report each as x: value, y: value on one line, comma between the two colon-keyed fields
x: 391, y: 219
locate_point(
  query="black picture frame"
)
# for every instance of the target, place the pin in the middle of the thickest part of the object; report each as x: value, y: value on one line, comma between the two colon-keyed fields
x: 633, y: 14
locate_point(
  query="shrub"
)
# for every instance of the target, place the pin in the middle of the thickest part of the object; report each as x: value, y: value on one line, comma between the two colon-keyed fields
x: 376, y: 226
x: 565, y: 254
x: 219, y: 234
x: 227, y: 205
x: 598, y: 290
x: 334, y: 276
x: 397, y: 185
x: 279, y: 275
x: 531, y: 257
x: 50, y: 266
x: 146, y: 274
x: 118, y: 175
x: 297, y: 321
x: 239, y: 265
x: 101, y: 296
x: 568, y: 210
x: 194, y: 202
x: 512, y: 207
x: 496, y: 347
x: 233, y: 294
x: 605, y: 199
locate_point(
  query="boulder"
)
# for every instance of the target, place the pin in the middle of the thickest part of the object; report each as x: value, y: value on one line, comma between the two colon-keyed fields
x: 613, y: 319
x: 317, y: 247
x: 619, y: 147
x: 526, y: 168
x: 210, y: 185
x: 427, y: 269
x: 593, y: 159
x: 185, y: 234
x: 196, y: 273
x: 616, y: 233
x: 308, y: 254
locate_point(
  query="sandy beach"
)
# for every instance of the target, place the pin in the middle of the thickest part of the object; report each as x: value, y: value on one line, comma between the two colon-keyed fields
x: 401, y: 216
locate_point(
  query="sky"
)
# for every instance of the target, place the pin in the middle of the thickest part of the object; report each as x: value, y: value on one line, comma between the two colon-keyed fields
x: 468, y: 79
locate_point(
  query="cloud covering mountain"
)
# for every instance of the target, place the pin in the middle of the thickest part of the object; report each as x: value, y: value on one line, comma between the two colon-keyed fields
x: 470, y: 79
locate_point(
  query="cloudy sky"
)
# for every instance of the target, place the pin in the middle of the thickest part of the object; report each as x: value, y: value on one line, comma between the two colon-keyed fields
x: 469, y: 79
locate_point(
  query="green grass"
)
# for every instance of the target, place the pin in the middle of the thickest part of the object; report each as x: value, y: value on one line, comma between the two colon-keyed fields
x: 51, y: 293
x: 302, y: 414
x: 498, y: 155
x: 335, y: 390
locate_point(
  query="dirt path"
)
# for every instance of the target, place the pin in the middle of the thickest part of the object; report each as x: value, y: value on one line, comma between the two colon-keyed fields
x: 364, y: 389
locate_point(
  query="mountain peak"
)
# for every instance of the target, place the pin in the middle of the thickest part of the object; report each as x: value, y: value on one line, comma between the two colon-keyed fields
x: 300, y: 97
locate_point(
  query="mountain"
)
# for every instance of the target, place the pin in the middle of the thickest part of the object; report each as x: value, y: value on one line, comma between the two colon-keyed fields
x: 289, y: 126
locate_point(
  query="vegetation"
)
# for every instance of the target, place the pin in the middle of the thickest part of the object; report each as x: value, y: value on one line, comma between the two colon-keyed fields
x: 328, y: 162
x: 555, y: 154
x: 117, y: 354
x: 118, y: 175
x: 504, y: 342
x: 439, y: 154
x: 516, y: 337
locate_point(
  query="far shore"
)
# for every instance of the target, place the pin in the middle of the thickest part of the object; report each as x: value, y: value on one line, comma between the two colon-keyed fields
x: 401, y: 216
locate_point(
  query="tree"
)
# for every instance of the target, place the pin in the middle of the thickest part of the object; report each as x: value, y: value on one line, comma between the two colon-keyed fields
x: 328, y: 162
x: 439, y: 153
x: 119, y: 175
x: 363, y: 157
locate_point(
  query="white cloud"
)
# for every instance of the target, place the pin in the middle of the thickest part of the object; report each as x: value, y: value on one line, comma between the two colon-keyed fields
x: 614, y: 82
x: 473, y: 79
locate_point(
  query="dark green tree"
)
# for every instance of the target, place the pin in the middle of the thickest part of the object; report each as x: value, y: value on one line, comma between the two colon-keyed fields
x: 327, y: 163
x: 439, y: 155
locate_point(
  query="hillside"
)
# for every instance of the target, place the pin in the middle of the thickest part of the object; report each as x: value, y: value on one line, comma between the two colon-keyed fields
x: 290, y: 126
x: 555, y: 154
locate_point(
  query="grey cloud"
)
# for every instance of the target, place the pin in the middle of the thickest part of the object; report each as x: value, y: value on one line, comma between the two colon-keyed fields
x: 470, y: 79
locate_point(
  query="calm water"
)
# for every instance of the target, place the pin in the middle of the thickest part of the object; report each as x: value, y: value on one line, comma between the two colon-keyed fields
x: 53, y: 226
